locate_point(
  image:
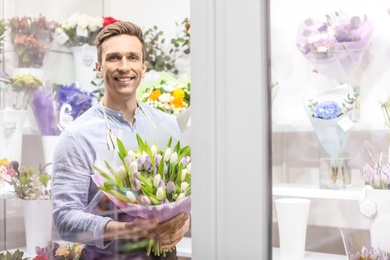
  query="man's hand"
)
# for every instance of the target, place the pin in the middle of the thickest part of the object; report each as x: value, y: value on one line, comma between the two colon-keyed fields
x: 169, y: 233
x: 139, y: 228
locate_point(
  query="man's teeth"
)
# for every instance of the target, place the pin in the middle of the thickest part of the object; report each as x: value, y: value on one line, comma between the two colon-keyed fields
x: 124, y: 79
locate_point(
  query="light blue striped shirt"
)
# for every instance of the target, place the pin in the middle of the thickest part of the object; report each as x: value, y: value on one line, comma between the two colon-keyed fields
x: 74, y: 193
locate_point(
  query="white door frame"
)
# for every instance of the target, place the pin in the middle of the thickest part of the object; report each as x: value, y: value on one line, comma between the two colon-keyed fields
x: 230, y: 130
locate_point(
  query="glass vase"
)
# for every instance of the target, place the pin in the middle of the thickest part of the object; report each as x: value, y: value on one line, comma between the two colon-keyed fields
x: 335, y: 173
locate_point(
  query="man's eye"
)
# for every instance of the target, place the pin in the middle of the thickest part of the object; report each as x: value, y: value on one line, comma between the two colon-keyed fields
x: 113, y: 58
x: 134, y: 57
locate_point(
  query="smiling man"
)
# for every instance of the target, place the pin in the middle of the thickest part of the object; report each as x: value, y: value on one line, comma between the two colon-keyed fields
x: 78, y: 209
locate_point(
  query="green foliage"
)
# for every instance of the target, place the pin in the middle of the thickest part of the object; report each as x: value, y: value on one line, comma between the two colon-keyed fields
x: 31, y: 184
x: 182, y: 42
x: 158, y: 59
x: 17, y: 255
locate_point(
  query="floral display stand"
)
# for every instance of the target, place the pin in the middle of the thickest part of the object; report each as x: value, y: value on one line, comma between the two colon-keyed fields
x: 84, y: 58
x: 38, y: 223
x: 11, y: 133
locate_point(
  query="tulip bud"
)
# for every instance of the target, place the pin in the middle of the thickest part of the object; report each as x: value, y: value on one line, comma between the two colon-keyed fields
x: 184, y: 185
x: 157, y: 160
x: 140, y: 163
x: 127, y: 160
x: 121, y: 172
x: 165, y: 201
x: 181, y: 196
x: 131, y: 155
x: 156, y: 180
x: 171, y: 187
x: 154, y: 150
x: 167, y: 154
x: 147, y: 164
x: 160, y: 194
x: 183, y: 174
x: 174, y: 157
x: 136, y: 184
x: 133, y: 167
x: 185, y: 161
x: 161, y: 184
x: 143, y: 156
x: 189, y: 168
x: 130, y: 195
x: 145, y: 201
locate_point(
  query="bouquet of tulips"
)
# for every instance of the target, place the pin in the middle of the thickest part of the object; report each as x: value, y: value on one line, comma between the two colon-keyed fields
x: 148, y: 182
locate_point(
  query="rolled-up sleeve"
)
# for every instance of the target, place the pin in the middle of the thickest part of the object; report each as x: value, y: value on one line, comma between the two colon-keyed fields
x: 72, y: 167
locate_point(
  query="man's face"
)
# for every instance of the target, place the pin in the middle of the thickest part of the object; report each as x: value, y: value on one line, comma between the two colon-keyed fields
x: 122, y: 68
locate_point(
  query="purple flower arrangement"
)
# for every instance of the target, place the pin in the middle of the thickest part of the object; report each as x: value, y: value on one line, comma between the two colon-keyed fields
x: 369, y: 254
x: 54, y: 110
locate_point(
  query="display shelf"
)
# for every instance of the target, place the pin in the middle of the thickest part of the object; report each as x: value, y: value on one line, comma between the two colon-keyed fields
x: 7, y: 194
x: 310, y: 255
x: 307, y: 127
x: 183, y: 248
x: 314, y: 192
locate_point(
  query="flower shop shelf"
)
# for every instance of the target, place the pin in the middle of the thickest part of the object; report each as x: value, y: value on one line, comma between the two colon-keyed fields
x: 310, y: 255
x: 6, y: 194
x: 307, y: 127
x: 314, y: 192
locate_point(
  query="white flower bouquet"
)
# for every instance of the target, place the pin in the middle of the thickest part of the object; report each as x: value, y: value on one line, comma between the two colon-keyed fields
x: 148, y: 182
x: 80, y: 29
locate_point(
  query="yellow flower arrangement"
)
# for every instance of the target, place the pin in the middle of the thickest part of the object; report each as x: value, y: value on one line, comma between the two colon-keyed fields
x: 168, y: 96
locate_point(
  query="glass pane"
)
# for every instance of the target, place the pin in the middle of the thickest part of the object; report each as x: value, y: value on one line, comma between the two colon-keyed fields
x: 327, y: 95
x: 62, y: 65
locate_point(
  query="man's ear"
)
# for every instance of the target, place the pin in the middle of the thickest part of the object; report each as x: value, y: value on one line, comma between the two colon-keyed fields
x: 144, y: 68
x: 99, y: 69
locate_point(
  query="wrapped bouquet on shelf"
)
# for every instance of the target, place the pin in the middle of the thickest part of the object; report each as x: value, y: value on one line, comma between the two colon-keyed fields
x: 33, y: 188
x: 78, y: 33
x: 166, y: 93
x: 147, y: 181
x: 375, y: 198
x: 335, y: 47
x: 31, y: 37
x: 56, y: 106
x: 15, y: 96
x: 330, y: 114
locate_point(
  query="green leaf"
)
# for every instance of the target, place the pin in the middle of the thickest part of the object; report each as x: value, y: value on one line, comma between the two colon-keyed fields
x: 116, y: 176
x: 169, y: 142
x: 119, y: 196
x: 122, y: 150
x: 103, y: 174
x: 145, y: 182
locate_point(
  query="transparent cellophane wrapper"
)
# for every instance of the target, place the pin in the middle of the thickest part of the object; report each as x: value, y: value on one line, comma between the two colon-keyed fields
x: 163, y: 212
x: 343, y: 57
x: 330, y: 133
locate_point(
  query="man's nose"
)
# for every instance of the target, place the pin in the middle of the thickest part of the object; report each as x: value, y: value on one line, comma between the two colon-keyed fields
x: 124, y: 64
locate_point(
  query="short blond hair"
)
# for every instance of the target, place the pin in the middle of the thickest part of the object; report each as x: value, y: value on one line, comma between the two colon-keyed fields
x: 118, y: 28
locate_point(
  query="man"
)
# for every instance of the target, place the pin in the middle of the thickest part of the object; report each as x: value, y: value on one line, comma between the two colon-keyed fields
x: 76, y: 201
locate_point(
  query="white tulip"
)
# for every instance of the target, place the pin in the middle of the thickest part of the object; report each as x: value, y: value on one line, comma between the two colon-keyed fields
x: 184, y: 185
x: 130, y: 195
x: 160, y: 194
x: 174, y: 157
